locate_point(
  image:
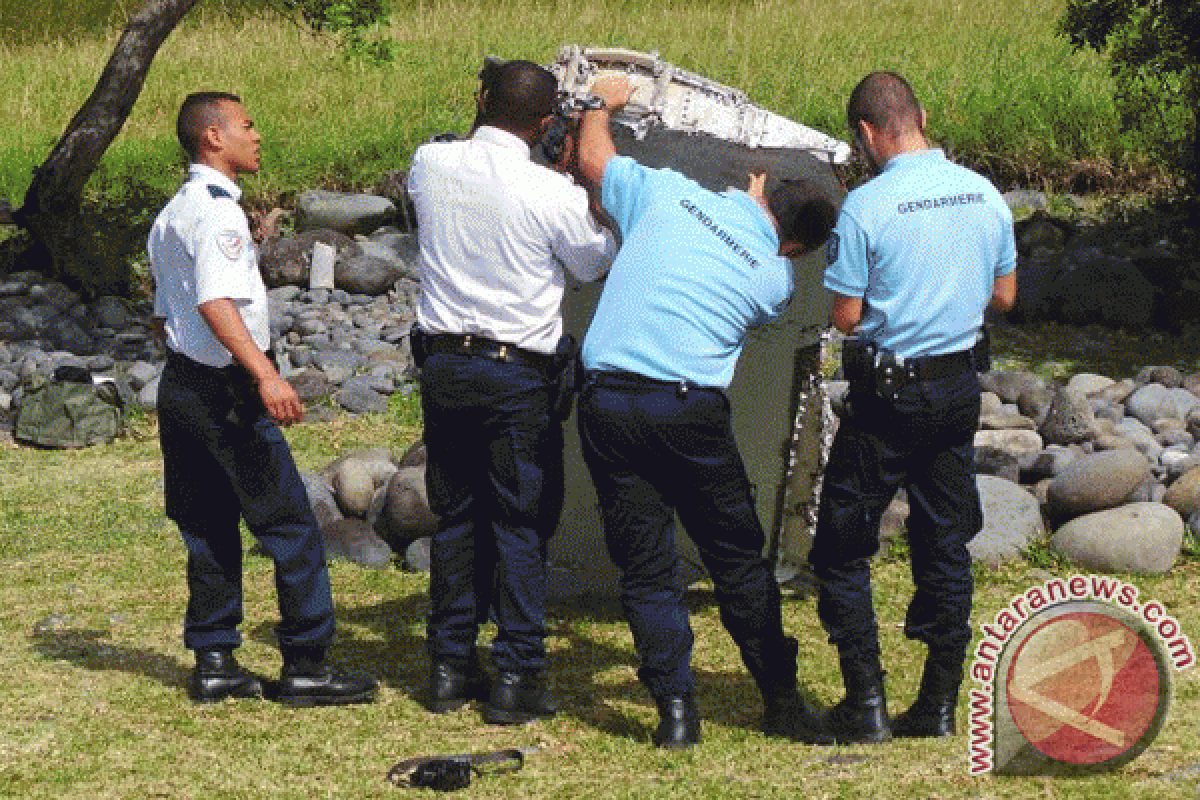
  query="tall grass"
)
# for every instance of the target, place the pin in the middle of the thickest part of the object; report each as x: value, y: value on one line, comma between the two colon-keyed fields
x: 1002, y: 89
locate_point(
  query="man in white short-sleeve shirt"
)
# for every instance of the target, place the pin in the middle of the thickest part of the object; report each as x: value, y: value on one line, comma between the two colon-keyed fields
x: 497, y: 234
x: 220, y: 399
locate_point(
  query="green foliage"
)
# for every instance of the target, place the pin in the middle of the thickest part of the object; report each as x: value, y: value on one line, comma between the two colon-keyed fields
x: 357, y: 24
x: 1154, y: 53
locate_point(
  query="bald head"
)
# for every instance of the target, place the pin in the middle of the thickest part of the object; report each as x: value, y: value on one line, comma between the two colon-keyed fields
x: 518, y: 96
x: 887, y: 102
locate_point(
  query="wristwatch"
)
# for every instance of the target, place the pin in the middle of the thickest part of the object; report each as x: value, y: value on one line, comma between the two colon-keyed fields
x: 593, y: 103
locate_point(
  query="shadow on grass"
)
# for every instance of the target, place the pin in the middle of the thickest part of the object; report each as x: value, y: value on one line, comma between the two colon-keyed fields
x: 88, y: 648
x: 387, y: 640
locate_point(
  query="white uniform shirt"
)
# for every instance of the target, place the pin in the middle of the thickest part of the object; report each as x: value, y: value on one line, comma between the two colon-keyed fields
x: 495, y: 231
x: 200, y: 250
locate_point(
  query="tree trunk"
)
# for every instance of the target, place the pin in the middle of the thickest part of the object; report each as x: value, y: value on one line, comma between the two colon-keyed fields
x: 51, y: 211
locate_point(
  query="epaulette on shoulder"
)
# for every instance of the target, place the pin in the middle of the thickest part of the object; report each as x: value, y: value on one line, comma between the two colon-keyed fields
x: 217, y: 192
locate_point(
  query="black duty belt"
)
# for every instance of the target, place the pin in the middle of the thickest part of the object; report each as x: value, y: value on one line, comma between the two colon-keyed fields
x: 631, y: 381
x: 472, y: 345
x: 931, y: 368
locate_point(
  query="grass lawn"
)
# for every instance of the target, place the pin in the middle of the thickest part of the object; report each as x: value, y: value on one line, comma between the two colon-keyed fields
x: 93, y: 672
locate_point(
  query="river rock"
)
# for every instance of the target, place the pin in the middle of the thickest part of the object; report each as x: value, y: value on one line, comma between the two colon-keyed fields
x: 1139, y: 537
x: 1097, y: 481
x: 1116, y: 394
x: 366, y: 274
x: 338, y: 365
x: 1014, y: 442
x: 1142, y: 437
x: 893, y: 523
x: 321, y: 499
x: 990, y: 403
x: 1150, y: 490
x: 288, y: 260
x: 414, y: 456
x: 1184, y: 494
x: 354, y: 540
x: 140, y: 373
x: 360, y: 400
x: 1178, y: 463
x: 406, y: 515
x: 147, y: 396
x: 417, y: 556
x: 1035, y: 403
x: 999, y: 463
x: 1011, y: 521
x: 346, y: 213
x: 110, y: 312
x: 1047, y: 463
x: 1006, y: 420
x: 353, y: 486
x: 1193, y: 423
x: 311, y: 385
x: 1009, y: 384
x: 1166, y: 376
x: 1088, y: 383
x: 1154, y: 401
x: 1069, y: 418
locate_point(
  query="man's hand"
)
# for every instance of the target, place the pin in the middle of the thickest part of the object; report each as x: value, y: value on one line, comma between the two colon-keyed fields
x: 758, y: 187
x: 278, y: 396
x: 281, y: 400
x: 596, y: 147
x: 614, y: 90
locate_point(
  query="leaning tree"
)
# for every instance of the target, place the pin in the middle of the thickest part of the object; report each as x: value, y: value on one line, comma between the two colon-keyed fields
x: 62, y: 244
x: 52, y: 211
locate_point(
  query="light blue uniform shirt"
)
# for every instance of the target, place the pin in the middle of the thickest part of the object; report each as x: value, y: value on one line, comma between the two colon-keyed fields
x: 696, y: 270
x: 922, y: 243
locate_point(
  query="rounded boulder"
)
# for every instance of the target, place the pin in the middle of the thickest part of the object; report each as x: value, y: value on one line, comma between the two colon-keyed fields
x: 1184, y: 494
x: 1011, y: 521
x: 1139, y: 537
x: 1096, y: 481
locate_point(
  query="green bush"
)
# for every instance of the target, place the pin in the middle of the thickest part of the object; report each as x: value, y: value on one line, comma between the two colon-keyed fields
x: 1154, y: 52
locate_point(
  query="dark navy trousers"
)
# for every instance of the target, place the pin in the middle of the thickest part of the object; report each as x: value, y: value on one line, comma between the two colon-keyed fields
x: 923, y: 440
x: 654, y: 449
x: 224, y: 460
x: 494, y: 473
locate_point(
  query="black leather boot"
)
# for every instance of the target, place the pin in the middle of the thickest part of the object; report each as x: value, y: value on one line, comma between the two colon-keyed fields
x: 788, y: 715
x: 932, y: 714
x: 310, y: 681
x: 861, y: 716
x: 517, y: 698
x: 217, y: 676
x: 451, y: 688
x: 678, y: 723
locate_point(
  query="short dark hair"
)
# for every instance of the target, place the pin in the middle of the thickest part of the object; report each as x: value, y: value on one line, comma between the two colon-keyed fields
x: 886, y: 101
x: 199, y: 112
x: 804, y: 213
x: 519, y: 95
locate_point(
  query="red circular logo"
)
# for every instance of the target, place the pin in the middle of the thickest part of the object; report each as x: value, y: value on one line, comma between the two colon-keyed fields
x: 1086, y: 688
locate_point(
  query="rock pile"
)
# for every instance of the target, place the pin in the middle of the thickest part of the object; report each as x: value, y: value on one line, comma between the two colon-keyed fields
x: 1078, y: 270
x: 348, y: 343
x: 1111, y: 467
x: 371, y: 505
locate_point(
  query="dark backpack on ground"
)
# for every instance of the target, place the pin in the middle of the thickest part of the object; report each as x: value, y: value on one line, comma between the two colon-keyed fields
x: 69, y: 410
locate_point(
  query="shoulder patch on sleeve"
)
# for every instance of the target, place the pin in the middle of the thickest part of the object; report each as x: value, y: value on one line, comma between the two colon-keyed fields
x: 832, y: 245
x: 231, y: 244
x: 217, y: 192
